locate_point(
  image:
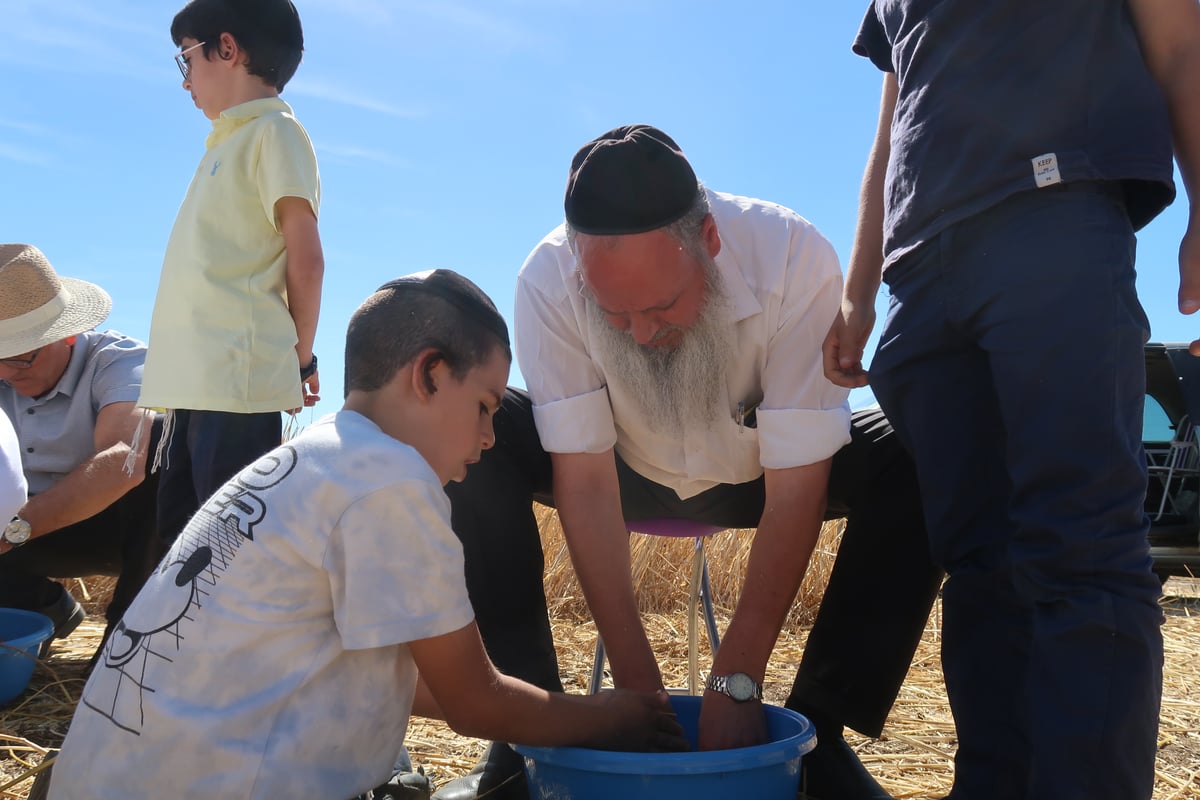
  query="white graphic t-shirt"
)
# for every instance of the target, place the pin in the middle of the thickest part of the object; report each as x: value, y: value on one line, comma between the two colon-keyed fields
x: 266, y: 656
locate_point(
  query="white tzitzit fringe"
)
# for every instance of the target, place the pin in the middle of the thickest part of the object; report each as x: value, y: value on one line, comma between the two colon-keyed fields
x: 141, y: 440
x: 137, y: 445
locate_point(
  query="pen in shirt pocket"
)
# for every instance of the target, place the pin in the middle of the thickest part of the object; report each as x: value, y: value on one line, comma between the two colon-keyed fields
x: 745, y: 416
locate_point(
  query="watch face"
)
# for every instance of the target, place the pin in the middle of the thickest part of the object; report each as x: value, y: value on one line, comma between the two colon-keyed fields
x: 741, y: 686
x: 17, y: 532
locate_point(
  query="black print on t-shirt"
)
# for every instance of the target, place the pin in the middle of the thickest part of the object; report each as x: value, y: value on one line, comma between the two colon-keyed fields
x: 155, y: 626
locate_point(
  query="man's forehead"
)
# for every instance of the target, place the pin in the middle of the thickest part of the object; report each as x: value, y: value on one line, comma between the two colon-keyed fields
x: 619, y: 285
x: 596, y: 252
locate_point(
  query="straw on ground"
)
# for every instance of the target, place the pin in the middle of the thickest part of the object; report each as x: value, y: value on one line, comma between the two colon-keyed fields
x: 913, y: 759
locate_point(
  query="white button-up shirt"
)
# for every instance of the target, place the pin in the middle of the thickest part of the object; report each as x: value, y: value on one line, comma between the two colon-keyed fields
x: 784, y: 286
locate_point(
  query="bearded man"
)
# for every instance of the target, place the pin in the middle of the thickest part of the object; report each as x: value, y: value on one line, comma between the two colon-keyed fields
x: 670, y: 338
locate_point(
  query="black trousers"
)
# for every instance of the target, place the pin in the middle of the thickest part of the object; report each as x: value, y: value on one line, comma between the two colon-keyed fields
x: 870, y: 620
x: 121, y: 541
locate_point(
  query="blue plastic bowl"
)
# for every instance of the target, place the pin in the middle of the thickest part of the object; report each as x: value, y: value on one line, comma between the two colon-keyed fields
x: 766, y: 771
x: 21, y: 634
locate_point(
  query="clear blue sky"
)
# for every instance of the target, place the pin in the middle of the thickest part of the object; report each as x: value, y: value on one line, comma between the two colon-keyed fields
x: 444, y: 129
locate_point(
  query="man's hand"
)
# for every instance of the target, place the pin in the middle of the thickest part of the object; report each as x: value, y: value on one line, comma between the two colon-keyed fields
x: 843, y: 348
x: 726, y: 723
x: 1169, y: 33
x: 1189, y: 277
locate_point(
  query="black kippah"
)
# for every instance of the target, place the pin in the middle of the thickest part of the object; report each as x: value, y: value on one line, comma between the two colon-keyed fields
x: 632, y: 179
x: 460, y: 293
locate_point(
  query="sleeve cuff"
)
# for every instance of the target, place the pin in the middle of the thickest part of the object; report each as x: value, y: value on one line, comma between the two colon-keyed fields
x: 796, y: 437
x: 580, y: 424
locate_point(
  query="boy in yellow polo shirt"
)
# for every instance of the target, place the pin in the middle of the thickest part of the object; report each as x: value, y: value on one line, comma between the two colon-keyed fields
x: 231, y: 338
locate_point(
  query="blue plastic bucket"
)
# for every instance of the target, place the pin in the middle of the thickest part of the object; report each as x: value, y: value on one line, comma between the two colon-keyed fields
x: 21, y: 634
x: 764, y: 772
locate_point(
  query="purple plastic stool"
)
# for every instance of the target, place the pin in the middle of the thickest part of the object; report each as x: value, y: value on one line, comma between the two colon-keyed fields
x: 700, y: 593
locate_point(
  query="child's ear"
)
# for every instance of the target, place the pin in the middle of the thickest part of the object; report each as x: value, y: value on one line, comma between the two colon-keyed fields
x: 227, y: 47
x: 424, y: 372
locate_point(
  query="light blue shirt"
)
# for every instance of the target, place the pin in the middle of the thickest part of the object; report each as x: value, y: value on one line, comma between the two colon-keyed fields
x: 57, y: 430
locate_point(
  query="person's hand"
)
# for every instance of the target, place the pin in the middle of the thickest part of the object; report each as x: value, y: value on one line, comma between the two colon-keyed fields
x: 310, y: 387
x: 645, y: 721
x: 843, y: 348
x: 726, y: 723
x: 1189, y: 276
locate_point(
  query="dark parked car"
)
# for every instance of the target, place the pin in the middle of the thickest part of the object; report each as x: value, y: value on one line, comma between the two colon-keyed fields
x: 1173, y: 458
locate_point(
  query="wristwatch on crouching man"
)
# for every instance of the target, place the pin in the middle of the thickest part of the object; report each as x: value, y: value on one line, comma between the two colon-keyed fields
x: 17, y: 532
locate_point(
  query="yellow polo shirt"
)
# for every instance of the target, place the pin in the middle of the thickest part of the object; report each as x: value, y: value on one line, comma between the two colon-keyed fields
x: 221, y: 336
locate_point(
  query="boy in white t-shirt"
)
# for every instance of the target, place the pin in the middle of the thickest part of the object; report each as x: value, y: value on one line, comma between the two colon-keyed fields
x: 275, y: 651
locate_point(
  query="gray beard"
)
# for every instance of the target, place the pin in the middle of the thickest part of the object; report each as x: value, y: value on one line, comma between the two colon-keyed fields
x: 677, y: 389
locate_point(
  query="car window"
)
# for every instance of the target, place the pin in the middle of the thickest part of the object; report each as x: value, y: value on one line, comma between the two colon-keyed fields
x: 1156, y: 425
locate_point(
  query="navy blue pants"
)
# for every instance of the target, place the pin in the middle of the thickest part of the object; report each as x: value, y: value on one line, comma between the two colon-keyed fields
x: 205, y: 449
x: 1011, y: 366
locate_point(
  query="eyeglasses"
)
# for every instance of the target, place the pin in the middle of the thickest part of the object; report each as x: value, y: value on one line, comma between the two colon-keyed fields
x: 21, y: 363
x: 184, y: 64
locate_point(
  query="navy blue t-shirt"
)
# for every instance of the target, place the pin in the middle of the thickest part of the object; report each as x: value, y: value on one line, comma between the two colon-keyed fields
x: 1007, y: 96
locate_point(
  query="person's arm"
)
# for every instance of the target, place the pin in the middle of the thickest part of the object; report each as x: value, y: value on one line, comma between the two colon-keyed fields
x: 424, y: 703
x: 477, y: 700
x: 589, y: 507
x: 98, y: 481
x: 305, y: 272
x: 1169, y: 32
x: 787, y: 532
x: 12, y: 478
x: 843, y: 349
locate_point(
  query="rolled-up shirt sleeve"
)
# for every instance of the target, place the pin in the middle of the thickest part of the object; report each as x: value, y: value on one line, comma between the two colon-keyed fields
x: 871, y: 42
x: 570, y: 400
x: 803, y: 418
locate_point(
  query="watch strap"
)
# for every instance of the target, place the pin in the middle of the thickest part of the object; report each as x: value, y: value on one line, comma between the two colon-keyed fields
x: 720, y: 684
x: 307, y: 372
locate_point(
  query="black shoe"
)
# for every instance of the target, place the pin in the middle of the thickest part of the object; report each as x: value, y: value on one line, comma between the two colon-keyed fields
x: 499, y: 775
x: 404, y: 786
x: 405, y: 783
x: 832, y: 771
x: 66, y: 614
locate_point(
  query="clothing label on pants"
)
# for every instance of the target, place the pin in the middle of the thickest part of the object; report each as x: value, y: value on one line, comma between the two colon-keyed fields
x: 1045, y: 170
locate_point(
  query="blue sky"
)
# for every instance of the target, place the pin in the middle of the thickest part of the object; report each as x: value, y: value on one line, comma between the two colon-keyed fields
x: 444, y: 129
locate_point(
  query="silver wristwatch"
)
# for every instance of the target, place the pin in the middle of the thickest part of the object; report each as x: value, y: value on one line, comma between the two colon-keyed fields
x: 17, y: 532
x: 737, y: 685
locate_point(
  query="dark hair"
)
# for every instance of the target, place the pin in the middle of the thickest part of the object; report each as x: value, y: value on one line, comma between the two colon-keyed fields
x: 268, y: 30
x: 441, y: 310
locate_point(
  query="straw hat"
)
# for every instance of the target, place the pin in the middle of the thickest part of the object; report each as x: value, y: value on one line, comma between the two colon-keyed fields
x: 37, y: 307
